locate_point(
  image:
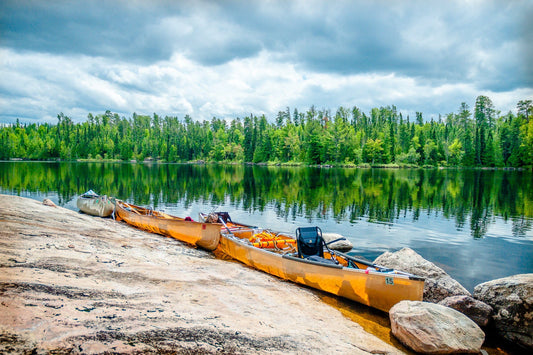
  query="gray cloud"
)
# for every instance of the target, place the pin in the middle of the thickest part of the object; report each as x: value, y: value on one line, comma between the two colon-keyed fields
x: 438, y: 41
x: 92, y: 28
x: 426, y: 39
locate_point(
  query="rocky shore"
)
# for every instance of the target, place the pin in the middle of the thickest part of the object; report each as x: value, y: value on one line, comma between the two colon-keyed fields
x: 451, y: 320
x: 72, y: 283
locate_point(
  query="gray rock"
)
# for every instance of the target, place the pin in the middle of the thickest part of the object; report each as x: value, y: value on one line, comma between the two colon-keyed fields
x: 438, y: 284
x: 342, y: 245
x: 434, y: 329
x: 476, y: 310
x: 512, y: 300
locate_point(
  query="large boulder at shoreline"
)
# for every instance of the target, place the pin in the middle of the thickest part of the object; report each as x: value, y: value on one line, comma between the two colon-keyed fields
x: 73, y: 283
x: 339, y: 242
x: 434, y: 329
x: 438, y: 284
x: 476, y: 310
x: 512, y: 300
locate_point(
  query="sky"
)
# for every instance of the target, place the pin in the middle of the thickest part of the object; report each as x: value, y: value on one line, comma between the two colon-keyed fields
x: 229, y: 59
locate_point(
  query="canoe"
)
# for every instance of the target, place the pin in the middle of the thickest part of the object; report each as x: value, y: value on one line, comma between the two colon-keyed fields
x: 337, y: 273
x: 95, y: 205
x: 204, y: 235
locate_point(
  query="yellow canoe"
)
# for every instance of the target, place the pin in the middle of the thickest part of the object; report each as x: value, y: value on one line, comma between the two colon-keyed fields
x: 204, y: 235
x: 348, y: 277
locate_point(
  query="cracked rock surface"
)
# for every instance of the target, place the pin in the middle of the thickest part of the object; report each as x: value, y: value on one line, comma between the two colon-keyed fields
x: 74, y: 283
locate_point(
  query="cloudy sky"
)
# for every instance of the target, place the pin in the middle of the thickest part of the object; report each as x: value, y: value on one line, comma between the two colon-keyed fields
x: 233, y: 58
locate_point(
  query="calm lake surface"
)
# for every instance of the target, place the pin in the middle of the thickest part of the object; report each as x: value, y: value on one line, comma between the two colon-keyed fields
x: 475, y: 224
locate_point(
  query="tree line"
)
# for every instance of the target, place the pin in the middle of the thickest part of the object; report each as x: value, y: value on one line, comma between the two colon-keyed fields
x: 349, y: 136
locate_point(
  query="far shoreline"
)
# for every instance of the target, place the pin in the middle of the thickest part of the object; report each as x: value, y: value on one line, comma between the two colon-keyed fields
x: 272, y: 164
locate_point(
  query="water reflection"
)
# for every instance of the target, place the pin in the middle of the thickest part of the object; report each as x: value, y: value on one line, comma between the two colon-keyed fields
x: 471, y: 198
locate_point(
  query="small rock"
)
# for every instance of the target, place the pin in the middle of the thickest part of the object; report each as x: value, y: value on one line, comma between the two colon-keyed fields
x: 48, y: 202
x: 512, y: 300
x: 438, y: 284
x: 71, y: 246
x: 339, y: 242
x: 478, y: 311
x: 434, y: 329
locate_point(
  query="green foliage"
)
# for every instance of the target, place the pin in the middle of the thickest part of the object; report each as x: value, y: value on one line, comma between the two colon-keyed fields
x: 373, y: 151
x: 409, y: 158
x: 349, y: 137
x: 456, y: 153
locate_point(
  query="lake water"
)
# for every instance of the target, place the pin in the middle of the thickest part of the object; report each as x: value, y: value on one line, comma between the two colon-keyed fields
x: 475, y: 224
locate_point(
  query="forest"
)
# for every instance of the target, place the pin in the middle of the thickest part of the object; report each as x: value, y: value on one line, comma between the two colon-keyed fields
x: 478, y: 137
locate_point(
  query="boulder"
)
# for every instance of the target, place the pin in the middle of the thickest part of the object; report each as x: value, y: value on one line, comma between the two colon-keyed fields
x: 476, y: 310
x: 339, y: 242
x: 434, y: 329
x: 512, y: 300
x: 438, y: 284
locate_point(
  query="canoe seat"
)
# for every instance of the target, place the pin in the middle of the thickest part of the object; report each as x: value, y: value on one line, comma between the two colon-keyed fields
x: 310, y: 242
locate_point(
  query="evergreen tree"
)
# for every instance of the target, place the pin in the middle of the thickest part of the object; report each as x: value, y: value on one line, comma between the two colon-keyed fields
x: 484, y: 141
x: 316, y: 137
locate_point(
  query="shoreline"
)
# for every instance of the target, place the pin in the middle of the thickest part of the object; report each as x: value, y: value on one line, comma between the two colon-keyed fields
x: 72, y: 282
x: 267, y: 164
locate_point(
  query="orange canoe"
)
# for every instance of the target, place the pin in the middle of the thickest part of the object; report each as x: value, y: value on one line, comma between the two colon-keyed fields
x: 204, y: 235
x: 335, y: 272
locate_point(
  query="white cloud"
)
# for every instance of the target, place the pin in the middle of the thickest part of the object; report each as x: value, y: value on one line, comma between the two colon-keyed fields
x: 37, y: 86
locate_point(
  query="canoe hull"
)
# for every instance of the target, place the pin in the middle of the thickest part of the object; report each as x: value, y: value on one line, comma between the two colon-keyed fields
x: 374, y: 289
x: 96, y: 205
x: 204, y: 235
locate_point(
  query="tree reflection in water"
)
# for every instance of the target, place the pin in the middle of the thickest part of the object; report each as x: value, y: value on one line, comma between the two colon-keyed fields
x: 471, y: 197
